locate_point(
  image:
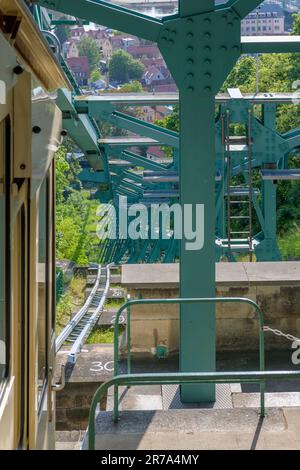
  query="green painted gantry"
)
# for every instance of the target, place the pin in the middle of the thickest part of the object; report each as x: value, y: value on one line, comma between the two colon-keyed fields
x: 200, y: 46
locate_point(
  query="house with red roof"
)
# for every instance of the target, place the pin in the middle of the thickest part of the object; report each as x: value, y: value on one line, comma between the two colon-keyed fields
x: 80, y: 68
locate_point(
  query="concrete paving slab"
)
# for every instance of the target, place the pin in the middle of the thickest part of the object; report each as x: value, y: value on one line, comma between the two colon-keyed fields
x: 237, y: 420
x: 235, y: 429
x: 136, y: 402
x: 94, y: 364
x: 107, y: 318
x: 68, y: 440
x: 280, y: 400
x: 136, y: 398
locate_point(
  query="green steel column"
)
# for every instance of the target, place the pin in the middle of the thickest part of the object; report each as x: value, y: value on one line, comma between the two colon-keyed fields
x: 207, y: 43
x: 197, y: 186
x: 197, y: 268
x: 269, y: 247
x: 200, y: 47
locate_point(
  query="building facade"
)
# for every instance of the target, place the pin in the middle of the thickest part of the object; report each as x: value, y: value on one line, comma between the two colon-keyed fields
x: 269, y: 19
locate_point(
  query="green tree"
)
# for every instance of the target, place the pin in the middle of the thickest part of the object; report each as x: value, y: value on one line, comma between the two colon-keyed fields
x: 133, y: 87
x: 62, y: 171
x: 123, y: 68
x: 95, y: 75
x: 89, y: 48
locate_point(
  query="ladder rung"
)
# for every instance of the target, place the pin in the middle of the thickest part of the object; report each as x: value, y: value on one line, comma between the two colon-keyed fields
x: 240, y: 233
x: 240, y: 217
x: 239, y: 202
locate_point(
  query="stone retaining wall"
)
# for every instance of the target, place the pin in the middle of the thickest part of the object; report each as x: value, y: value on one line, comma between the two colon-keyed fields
x: 274, y: 286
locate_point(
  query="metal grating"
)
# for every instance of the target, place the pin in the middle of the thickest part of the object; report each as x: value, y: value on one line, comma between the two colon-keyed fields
x: 171, y: 398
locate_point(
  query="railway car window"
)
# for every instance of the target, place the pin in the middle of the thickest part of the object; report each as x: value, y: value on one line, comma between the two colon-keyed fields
x: 4, y: 246
x: 43, y: 290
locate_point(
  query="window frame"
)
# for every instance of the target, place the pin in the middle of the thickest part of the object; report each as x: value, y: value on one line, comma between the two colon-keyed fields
x: 7, y: 157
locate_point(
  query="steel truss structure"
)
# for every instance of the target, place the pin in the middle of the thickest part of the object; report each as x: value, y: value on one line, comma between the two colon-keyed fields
x: 200, y: 46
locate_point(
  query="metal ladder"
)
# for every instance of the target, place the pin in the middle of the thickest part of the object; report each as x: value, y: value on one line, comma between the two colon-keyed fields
x: 239, y: 195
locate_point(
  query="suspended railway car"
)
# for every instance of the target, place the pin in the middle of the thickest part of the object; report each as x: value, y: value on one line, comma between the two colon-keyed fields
x: 30, y: 132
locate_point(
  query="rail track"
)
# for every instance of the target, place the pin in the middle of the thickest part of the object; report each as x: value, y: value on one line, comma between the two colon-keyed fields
x: 79, y: 328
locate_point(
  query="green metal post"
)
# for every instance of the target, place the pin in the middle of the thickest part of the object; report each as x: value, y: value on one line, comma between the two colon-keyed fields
x: 197, y: 37
x: 128, y: 339
x: 269, y: 248
x: 200, y: 47
x: 197, y: 268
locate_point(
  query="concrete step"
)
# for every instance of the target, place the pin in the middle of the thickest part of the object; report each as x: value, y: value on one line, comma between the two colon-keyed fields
x: 275, y: 399
x: 233, y: 429
x: 137, y: 398
x: 68, y: 440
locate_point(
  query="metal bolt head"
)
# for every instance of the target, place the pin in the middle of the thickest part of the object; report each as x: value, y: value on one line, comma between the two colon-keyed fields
x: 36, y: 130
x: 18, y: 70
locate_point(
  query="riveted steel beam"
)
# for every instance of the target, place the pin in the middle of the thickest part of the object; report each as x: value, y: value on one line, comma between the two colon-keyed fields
x: 242, y: 7
x: 110, y: 15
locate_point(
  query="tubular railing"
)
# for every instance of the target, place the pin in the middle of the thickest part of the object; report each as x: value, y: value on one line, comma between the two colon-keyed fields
x: 182, y: 378
x: 127, y: 306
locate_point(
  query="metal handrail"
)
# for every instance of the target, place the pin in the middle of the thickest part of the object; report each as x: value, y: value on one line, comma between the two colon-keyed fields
x: 127, y: 306
x: 182, y: 378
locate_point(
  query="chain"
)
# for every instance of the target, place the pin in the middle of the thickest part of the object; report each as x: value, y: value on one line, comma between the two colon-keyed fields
x: 280, y: 333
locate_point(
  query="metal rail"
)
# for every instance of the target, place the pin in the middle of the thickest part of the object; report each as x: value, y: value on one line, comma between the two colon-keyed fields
x: 169, y: 99
x: 77, y: 346
x: 79, y: 315
x: 216, y: 300
x: 183, y: 378
x: 85, y: 318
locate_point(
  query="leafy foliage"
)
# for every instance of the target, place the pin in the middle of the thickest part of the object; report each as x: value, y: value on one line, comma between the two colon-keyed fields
x: 275, y: 73
x: 75, y: 212
x: 123, y: 68
x: 88, y: 47
x: 95, y: 75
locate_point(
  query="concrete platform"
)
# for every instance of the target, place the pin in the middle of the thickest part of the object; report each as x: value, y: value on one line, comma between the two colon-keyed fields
x: 278, y: 400
x: 236, y: 429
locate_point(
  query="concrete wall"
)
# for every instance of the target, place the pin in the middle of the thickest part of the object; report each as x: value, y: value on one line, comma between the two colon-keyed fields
x: 73, y: 405
x: 93, y: 367
x: 274, y: 286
